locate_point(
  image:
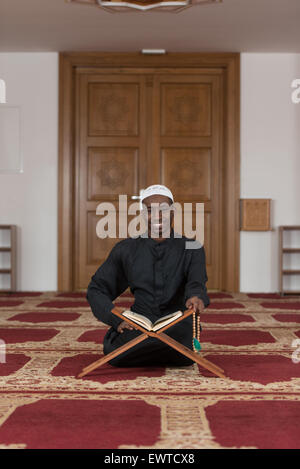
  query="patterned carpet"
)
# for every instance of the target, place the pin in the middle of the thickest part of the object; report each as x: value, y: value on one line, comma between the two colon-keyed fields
x: 49, y: 337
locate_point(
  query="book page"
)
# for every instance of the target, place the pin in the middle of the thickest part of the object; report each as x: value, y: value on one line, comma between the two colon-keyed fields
x: 166, y: 320
x: 138, y: 318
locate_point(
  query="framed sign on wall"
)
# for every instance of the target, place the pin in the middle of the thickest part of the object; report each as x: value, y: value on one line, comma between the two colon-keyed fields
x: 255, y: 214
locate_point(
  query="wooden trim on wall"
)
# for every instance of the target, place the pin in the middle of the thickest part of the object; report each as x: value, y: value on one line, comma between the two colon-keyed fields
x: 231, y: 270
x: 65, y: 174
x: 230, y: 63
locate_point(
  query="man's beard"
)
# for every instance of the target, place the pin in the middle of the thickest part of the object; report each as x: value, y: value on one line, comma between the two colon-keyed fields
x: 160, y: 230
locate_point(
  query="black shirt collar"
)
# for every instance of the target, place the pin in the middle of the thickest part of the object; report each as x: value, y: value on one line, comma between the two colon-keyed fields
x: 153, y: 242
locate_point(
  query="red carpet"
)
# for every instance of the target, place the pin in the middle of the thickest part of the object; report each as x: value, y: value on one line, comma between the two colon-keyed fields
x: 50, y: 337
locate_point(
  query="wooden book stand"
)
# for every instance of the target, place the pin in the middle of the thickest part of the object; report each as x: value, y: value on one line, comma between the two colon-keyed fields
x: 159, y: 335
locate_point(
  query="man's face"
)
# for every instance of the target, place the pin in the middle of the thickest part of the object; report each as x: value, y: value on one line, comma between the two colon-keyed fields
x: 159, y: 215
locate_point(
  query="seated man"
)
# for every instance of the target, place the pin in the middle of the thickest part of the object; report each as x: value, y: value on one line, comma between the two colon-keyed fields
x: 163, y: 276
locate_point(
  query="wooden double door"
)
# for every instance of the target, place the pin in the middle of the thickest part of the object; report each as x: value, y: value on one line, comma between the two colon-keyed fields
x: 136, y: 126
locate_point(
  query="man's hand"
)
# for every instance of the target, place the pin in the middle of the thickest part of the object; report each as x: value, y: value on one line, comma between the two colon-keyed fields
x: 195, y: 303
x: 124, y: 325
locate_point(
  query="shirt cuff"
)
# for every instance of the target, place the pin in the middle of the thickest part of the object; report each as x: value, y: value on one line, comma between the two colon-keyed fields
x: 202, y: 296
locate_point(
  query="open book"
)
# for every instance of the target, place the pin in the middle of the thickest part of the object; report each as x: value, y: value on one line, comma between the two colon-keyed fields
x: 147, y: 324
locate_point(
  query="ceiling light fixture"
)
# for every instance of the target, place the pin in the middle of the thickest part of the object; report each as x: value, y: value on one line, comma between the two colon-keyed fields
x: 114, y: 6
x: 154, y: 51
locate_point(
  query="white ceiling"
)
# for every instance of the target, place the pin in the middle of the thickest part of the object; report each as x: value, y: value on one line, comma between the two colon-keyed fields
x: 233, y: 26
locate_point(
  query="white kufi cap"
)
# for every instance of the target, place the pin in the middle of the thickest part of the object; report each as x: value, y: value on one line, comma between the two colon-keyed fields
x: 156, y: 189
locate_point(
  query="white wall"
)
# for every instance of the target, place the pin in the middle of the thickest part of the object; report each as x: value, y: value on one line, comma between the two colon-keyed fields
x: 29, y: 199
x: 270, y: 163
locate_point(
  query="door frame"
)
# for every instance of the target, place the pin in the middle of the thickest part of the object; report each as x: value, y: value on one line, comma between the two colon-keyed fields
x: 230, y: 63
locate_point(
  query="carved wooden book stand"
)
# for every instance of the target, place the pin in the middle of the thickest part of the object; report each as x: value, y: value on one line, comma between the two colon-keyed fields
x: 159, y: 335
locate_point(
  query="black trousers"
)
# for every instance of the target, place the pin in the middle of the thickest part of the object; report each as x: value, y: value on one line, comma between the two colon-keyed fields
x: 152, y: 351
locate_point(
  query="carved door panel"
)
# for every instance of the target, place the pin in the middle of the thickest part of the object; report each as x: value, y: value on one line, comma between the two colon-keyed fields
x: 110, y: 159
x: 187, y: 151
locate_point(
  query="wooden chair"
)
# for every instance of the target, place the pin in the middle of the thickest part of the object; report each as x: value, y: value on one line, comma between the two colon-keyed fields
x: 159, y: 335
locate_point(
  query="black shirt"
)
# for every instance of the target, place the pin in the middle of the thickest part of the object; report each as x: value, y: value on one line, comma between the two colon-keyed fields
x: 162, y: 275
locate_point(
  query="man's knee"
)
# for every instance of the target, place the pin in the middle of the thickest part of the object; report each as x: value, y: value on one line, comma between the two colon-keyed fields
x: 118, y: 362
x: 184, y: 361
